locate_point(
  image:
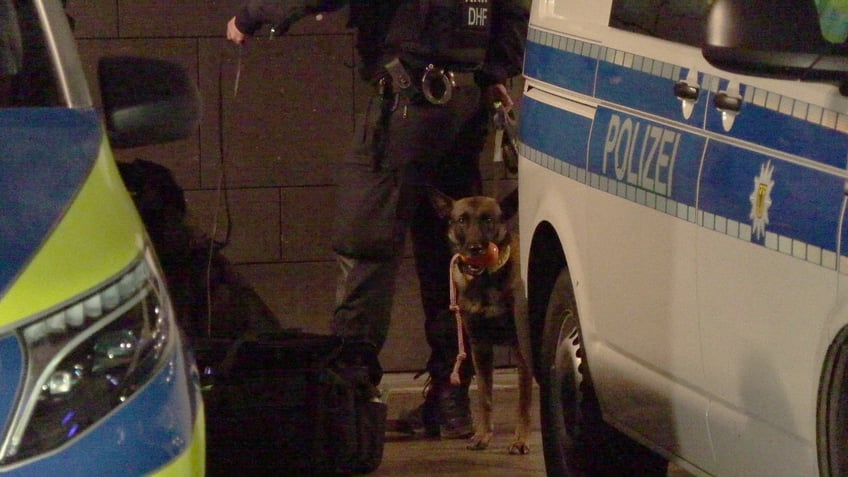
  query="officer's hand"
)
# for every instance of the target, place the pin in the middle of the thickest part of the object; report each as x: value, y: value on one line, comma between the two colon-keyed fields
x: 234, y: 34
x: 498, y: 92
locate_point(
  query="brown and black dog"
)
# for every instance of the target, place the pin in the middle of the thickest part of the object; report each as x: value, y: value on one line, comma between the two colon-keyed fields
x: 490, y: 296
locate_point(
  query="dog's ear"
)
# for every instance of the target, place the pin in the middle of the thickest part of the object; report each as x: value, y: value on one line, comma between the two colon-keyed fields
x: 442, y: 203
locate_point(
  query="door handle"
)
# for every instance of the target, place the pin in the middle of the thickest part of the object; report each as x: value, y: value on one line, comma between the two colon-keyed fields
x: 726, y: 102
x: 685, y: 91
x: 729, y: 102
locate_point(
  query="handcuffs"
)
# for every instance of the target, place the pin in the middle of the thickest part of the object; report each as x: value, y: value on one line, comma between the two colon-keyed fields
x: 437, y: 85
x: 442, y: 80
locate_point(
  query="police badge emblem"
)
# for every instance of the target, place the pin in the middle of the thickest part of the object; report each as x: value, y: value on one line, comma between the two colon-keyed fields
x: 761, y: 199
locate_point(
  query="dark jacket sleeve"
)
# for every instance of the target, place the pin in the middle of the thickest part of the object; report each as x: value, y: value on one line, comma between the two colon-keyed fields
x: 505, y: 55
x: 255, y: 13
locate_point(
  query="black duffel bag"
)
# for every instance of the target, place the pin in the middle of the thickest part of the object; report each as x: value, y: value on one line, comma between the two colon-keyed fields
x: 290, y: 403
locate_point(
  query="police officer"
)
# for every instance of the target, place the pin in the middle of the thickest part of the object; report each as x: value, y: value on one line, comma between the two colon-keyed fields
x: 435, y: 67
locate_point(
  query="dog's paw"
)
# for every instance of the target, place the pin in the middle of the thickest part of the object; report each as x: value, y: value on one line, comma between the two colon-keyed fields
x: 519, y: 448
x: 480, y: 441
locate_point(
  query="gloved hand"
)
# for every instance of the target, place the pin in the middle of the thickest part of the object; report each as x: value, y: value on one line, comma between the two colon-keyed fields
x: 234, y: 34
x: 498, y: 93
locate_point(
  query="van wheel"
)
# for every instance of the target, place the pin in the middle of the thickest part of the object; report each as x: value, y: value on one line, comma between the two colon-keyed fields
x: 576, y: 440
x: 833, y: 409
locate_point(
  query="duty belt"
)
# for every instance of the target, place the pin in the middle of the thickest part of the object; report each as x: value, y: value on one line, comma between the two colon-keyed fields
x: 435, y: 83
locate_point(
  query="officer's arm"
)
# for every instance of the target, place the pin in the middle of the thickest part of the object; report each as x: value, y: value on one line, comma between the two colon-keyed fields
x: 283, y: 13
x: 505, y: 54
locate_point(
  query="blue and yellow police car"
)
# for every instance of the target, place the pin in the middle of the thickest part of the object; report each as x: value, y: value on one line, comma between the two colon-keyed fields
x: 94, y: 376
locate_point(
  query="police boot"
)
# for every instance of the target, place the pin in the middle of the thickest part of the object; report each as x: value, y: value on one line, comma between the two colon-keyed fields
x: 445, y: 412
x: 454, y: 410
x: 423, y: 418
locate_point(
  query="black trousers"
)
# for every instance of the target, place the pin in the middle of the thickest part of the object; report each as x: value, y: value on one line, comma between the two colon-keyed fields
x: 402, y: 147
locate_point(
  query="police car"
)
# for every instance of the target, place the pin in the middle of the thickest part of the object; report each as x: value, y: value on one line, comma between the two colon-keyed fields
x: 683, y: 183
x: 95, y: 377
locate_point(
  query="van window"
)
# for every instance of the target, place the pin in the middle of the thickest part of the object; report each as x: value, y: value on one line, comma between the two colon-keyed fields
x: 681, y: 21
x: 26, y: 72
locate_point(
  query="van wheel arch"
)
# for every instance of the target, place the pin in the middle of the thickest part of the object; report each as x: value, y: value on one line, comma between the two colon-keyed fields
x: 576, y: 440
x: 545, y: 263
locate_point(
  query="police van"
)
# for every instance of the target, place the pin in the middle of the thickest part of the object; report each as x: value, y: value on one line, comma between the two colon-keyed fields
x: 683, y: 186
x: 95, y: 377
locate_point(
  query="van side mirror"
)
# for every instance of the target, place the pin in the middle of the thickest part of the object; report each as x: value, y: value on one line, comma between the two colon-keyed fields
x: 147, y: 101
x: 774, y: 38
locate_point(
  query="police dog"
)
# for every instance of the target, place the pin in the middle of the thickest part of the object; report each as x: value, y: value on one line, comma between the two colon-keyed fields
x: 489, y: 294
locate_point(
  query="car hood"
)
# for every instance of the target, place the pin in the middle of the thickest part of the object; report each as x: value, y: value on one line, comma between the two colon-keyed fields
x: 45, y: 156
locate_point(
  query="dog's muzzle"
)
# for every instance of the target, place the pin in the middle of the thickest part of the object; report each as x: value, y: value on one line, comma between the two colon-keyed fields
x: 477, y: 264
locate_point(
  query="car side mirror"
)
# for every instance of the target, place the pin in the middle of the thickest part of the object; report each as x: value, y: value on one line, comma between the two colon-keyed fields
x: 774, y: 38
x: 147, y: 101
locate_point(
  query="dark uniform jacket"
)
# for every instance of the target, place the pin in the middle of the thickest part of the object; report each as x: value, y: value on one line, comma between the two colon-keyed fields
x: 489, y: 40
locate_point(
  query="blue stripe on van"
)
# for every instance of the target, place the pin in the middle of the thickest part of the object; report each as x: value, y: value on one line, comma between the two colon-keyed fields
x: 561, y: 68
x: 647, y: 92
x: 784, y: 132
x: 647, y: 155
x: 805, y: 203
x: 543, y: 127
x: 645, y: 84
x: 785, y: 232
x: 45, y: 155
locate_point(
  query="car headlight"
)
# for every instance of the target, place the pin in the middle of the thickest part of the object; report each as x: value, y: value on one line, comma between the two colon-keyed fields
x: 87, y: 358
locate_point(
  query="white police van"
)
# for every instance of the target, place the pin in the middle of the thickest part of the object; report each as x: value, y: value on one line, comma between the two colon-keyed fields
x: 684, y: 234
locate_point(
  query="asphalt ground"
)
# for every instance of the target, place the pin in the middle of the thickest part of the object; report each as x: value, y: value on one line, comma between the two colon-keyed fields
x: 407, y: 456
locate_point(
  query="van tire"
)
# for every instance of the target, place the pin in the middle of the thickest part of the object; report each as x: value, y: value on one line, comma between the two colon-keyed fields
x: 832, y: 413
x: 576, y: 440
